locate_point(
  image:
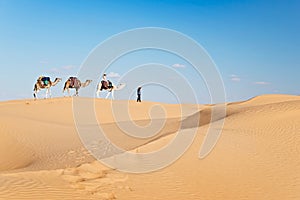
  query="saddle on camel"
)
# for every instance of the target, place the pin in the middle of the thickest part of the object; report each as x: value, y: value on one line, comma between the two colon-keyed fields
x: 44, y: 80
x: 74, y: 82
x: 106, y: 85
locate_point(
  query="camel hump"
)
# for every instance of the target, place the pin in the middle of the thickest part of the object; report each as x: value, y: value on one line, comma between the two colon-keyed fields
x: 44, y: 80
x: 74, y: 82
x: 72, y: 78
x: 104, y: 85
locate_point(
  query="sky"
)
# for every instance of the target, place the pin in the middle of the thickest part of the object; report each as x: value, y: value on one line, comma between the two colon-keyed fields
x: 254, y: 44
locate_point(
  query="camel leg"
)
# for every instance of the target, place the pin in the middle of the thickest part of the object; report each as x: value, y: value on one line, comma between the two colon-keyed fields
x: 107, y: 95
x: 112, y: 95
x: 69, y: 92
x: 47, y: 91
x: 35, y: 91
x: 98, y: 93
x: 35, y: 94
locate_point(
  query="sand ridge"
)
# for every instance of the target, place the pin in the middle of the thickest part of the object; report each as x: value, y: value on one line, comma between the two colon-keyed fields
x: 257, y: 156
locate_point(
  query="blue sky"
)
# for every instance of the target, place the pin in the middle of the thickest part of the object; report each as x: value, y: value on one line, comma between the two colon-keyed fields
x: 255, y: 44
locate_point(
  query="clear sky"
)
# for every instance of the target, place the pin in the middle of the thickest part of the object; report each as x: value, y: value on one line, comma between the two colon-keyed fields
x: 255, y: 44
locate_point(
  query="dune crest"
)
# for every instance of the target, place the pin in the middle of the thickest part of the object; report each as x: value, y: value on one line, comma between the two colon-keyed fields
x: 256, y: 157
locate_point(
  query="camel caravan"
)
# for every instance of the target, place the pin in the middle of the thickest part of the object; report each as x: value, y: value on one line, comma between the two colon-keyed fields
x: 44, y: 82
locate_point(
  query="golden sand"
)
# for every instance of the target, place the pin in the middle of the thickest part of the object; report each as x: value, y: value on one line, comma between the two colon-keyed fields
x: 256, y: 157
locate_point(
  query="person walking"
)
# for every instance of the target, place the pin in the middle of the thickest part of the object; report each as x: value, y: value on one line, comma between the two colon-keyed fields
x: 139, y: 93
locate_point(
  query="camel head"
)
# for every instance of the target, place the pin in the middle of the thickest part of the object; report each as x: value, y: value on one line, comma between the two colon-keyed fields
x: 57, y: 80
x: 86, y: 83
x: 120, y: 86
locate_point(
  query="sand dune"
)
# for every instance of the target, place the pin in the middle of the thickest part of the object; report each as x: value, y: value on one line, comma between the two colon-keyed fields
x: 257, y: 156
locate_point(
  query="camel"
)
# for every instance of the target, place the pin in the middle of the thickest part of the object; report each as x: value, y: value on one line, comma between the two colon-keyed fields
x: 75, y: 83
x: 44, y: 83
x: 110, y: 89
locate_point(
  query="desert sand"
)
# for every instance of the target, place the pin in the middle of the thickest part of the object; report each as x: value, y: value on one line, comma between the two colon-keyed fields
x: 256, y: 157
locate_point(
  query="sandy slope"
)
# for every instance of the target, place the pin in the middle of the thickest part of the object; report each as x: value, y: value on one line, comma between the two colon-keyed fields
x: 257, y: 156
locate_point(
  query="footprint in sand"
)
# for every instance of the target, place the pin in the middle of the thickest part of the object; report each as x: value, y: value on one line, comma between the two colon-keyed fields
x: 94, y: 179
x: 85, y: 172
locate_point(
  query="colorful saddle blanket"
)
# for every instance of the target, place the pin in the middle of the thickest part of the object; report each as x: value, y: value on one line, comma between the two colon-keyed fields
x: 45, y: 80
x: 74, y: 82
x: 106, y: 85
